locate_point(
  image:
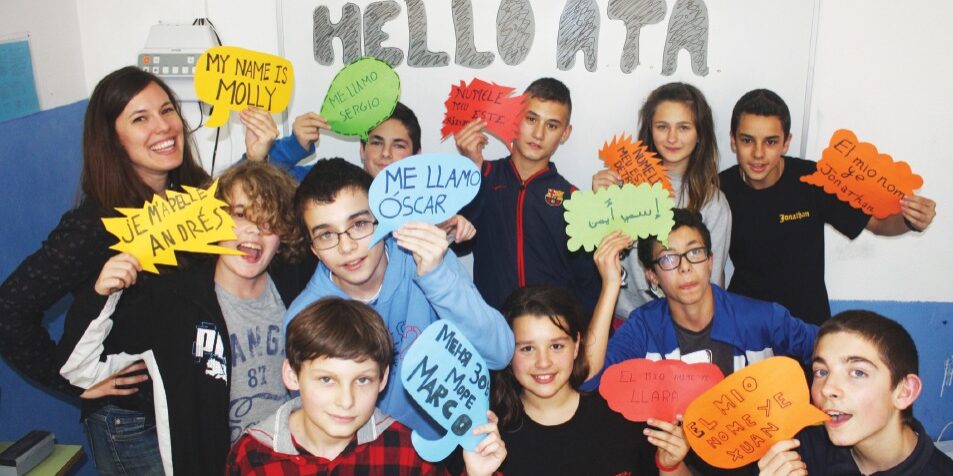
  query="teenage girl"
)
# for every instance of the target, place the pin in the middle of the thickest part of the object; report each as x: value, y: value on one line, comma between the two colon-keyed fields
x: 676, y: 123
x: 548, y: 426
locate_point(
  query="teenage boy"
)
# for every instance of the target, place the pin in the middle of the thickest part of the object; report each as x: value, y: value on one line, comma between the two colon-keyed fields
x: 198, y: 328
x: 777, y: 234
x: 865, y: 378
x: 396, y: 138
x: 695, y: 322
x: 338, y: 356
x: 519, y: 208
x: 409, y: 278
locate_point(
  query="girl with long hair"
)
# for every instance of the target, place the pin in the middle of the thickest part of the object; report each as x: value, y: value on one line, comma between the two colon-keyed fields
x: 676, y: 123
x: 135, y: 144
x: 548, y: 426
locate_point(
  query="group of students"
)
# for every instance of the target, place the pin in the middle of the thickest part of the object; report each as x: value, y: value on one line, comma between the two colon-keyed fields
x: 191, y: 371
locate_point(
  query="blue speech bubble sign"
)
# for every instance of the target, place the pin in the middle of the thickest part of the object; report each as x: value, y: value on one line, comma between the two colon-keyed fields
x: 423, y: 188
x: 448, y: 379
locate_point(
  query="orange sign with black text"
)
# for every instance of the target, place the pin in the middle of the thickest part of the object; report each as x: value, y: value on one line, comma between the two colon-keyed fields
x: 735, y: 422
x: 861, y: 176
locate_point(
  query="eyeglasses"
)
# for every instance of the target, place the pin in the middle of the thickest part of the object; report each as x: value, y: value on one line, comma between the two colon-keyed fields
x: 672, y: 261
x: 329, y: 239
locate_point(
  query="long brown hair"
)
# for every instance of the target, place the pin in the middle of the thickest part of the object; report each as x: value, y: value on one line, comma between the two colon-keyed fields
x: 701, y: 177
x: 108, y: 176
x: 561, y: 309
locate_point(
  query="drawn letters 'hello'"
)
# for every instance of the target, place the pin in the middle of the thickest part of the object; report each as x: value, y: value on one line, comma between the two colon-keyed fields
x: 515, y: 31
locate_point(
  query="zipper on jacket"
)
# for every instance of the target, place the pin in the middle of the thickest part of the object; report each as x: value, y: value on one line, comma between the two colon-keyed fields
x: 520, y: 267
x: 520, y: 254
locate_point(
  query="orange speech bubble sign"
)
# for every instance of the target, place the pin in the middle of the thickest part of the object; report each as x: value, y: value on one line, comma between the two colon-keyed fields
x: 735, y: 422
x: 862, y: 177
x: 488, y: 101
x: 634, y: 162
x: 640, y: 389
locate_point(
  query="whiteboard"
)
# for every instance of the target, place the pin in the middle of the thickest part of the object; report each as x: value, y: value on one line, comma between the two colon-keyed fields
x: 751, y: 44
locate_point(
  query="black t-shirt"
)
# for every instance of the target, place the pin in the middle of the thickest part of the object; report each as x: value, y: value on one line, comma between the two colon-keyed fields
x: 595, y: 441
x: 777, y: 238
x: 825, y: 459
x: 718, y: 353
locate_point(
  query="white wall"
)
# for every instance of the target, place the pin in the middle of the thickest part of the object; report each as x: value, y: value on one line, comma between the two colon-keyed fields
x: 54, y: 47
x: 114, y: 31
x: 606, y: 101
x: 883, y: 71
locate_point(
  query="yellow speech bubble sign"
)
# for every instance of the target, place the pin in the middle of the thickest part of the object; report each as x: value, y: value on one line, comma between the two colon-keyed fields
x: 232, y: 79
x: 735, y: 422
x: 184, y: 221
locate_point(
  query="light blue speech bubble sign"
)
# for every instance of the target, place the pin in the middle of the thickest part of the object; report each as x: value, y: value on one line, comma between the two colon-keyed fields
x: 424, y: 188
x: 637, y: 210
x: 448, y: 378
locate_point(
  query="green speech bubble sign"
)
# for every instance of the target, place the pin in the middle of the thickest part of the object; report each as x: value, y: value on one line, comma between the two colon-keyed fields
x: 362, y: 95
x: 637, y: 210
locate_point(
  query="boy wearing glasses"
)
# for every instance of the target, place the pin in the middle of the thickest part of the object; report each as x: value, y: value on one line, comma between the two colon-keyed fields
x: 408, y: 278
x: 395, y: 139
x: 696, y: 321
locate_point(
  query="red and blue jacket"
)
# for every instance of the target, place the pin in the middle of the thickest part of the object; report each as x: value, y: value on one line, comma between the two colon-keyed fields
x: 521, y: 236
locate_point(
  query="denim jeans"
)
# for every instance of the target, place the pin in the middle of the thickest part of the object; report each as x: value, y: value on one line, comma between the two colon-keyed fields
x: 123, y: 442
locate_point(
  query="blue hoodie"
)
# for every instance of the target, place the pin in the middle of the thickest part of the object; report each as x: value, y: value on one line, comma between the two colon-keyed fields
x: 287, y: 152
x: 409, y: 303
x: 755, y: 329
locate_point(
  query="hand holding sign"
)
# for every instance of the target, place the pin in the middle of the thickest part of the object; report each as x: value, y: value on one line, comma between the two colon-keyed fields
x: 640, y: 389
x: 362, y: 95
x: 737, y: 421
x: 449, y: 379
x: 634, y: 162
x: 430, y: 188
x: 859, y: 175
x: 482, y: 100
x: 638, y: 211
x: 186, y: 221
x: 232, y: 79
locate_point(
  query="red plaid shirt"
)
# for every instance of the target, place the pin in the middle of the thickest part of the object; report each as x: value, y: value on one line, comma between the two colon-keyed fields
x: 391, y: 454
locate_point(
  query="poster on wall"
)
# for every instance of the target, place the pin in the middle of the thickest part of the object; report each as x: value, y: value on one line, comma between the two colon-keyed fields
x: 17, y: 86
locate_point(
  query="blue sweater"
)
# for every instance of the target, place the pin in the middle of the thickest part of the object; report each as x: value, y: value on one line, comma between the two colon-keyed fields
x: 409, y: 303
x: 755, y: 329
x: 287, y: 152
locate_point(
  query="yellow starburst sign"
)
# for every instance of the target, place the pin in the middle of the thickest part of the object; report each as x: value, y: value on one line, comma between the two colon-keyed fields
x: 183, y: 221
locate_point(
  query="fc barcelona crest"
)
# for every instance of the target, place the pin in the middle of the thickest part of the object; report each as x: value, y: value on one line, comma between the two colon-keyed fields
x: 554, y: 198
